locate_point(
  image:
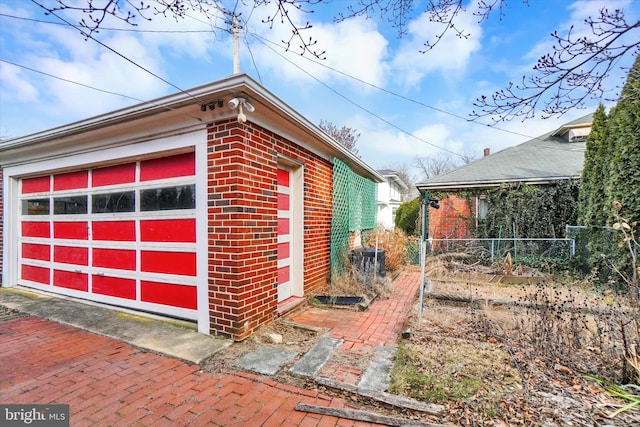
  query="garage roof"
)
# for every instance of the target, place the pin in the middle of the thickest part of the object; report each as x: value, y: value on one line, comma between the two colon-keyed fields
x: 179, y: 113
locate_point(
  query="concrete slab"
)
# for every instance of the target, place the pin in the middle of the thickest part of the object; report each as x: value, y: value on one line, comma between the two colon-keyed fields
x: 310, y: 363
x: 377, y: 376
x: 175, y: 338
x: 265, y: 360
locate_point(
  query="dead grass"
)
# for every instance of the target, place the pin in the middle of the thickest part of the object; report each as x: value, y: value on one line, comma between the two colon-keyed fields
x: 520, y: 363
x: 395, y: 244
x: 443, y: 369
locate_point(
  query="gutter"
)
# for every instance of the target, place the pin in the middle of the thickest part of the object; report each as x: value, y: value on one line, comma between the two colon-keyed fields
x: 422, y: 187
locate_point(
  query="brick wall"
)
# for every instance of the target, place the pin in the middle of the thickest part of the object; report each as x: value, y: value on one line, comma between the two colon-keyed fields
x: 1, y: 224
x: 242, y: 224
x: 451, y: 220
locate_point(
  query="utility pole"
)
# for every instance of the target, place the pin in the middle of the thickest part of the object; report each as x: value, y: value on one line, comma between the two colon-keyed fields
x: 236, y: 46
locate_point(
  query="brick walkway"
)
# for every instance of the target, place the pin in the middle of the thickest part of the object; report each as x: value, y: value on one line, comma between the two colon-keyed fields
x: 362, y: 332
x: 107, y: 382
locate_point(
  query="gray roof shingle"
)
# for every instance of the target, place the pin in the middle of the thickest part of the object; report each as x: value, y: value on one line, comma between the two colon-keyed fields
x: 539, y: 160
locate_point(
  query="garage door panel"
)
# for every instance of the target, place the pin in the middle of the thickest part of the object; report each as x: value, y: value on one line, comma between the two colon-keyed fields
x: 71, y: 180
x: 114, y: 286
x: 36, y: 251
x: 114, y: 258
x: 181, y: 263
x: 36, y: 229
x: 122, y: 231
x: 71, y: 255
x: 70, y: 230
x: 71, y: 280
x: 111, y: 175
x: 168, y: 230
x: 168, y: 167
x: 169, y: 294
x: 35, y: 274
x: 36, y: 185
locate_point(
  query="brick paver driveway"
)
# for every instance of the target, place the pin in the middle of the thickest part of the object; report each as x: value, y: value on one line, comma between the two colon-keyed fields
x: 107, y: 382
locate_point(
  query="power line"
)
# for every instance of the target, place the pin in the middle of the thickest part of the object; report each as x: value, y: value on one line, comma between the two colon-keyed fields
x: 259, y: 77
x: 95, y: 88
x: 538, y: 138
x: 382, y: 119
x: 401, y: 96
x: 130, y: 30
x: 121, y: 55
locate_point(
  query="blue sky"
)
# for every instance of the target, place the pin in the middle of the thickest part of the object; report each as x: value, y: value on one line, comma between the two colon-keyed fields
x: 436, y: 90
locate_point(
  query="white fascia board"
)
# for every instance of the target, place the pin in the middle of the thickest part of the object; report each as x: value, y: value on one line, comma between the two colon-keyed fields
x: 397, y: 179
x: 170, y: 103
x: 179, y: 112
x: 488, y: 184
x: 271, y: 110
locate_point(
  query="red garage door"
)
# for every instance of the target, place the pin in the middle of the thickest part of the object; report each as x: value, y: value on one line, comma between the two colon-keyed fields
x: 122, y: 234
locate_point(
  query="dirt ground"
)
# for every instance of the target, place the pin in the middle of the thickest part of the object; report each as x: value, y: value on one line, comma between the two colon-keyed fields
x: 475, y: 334
x: 469, y: 337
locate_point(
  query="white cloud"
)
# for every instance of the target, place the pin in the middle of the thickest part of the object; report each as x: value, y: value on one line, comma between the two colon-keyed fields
x: 354, y: 47
x: 14, y: 85
x: 187, y: 44
x: 451, y: 54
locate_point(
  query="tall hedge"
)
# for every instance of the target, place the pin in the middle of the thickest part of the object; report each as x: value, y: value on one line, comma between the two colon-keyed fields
x: 612, y: 173
x: 407, y: 217
x: 591, y: 211
x: 623, y: 138
x: 612, y: 159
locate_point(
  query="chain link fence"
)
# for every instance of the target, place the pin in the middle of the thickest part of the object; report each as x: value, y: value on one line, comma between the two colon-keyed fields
x: 584, y: 249
x: 492, y: 250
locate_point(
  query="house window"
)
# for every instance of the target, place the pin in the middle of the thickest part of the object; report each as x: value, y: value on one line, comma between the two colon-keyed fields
x: 483, y: 206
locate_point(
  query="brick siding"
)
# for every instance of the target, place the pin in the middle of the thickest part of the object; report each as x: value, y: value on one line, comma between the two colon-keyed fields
x: 242, y: 224
x: 1, y: 224
x: 451, y: 220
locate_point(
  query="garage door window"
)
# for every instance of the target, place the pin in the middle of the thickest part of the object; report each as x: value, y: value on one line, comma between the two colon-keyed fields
x: 35, y: 207
x: 75, y: 205
x: 169, y: 198
x: 113, y: 202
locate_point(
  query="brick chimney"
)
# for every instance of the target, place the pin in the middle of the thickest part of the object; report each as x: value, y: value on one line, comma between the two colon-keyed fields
x: 487, y: 151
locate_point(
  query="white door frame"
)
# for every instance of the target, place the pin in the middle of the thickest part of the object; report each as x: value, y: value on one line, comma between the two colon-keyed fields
x: 296, y: 206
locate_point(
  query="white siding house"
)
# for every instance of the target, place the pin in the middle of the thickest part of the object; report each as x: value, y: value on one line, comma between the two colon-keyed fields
x: 390, y: 196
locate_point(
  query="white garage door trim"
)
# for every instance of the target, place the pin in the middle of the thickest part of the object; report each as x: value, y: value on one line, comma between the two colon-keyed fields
x: 186, y: 142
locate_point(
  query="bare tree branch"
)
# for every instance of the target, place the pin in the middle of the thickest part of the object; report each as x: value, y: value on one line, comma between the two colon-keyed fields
x: 434, y: 166
x: 575, y: 71
x: 572, y: 73
x: 345, y: 135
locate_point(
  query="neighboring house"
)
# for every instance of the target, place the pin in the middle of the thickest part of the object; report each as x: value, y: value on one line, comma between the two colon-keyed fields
x: 555, y: 156
x: 193, y: 205
x: 390, y: 197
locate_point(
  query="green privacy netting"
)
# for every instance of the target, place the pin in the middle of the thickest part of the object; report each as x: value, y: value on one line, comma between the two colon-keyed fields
x: 354, y: 208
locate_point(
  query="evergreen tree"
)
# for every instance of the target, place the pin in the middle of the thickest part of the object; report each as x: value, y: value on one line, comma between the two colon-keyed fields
x: 407, y: 217
x: 624, y: 145
x: 590, y: 212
